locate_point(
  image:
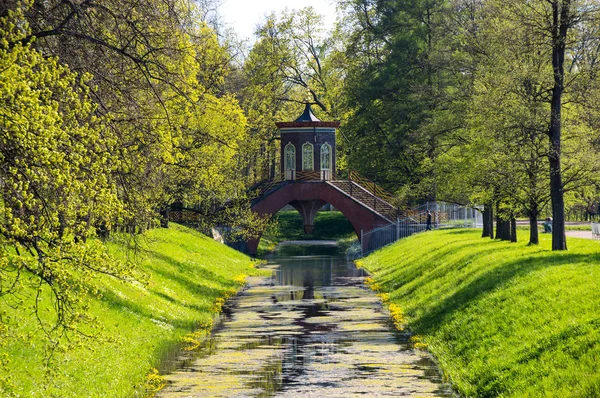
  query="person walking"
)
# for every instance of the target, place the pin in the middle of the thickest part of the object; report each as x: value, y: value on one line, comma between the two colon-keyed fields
x: 428, y: 222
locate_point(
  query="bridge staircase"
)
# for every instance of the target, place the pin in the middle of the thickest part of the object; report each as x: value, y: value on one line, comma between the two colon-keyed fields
x: 266, y: 187
x: 370, y: 195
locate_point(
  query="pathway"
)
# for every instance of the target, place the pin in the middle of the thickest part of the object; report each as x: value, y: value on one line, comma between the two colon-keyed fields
x: 580, y: 234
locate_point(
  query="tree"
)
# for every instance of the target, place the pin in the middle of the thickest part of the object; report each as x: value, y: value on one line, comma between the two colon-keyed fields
x: 555, y: 36
x: 510, y: 94
x: 563, y: 18
x: 82, y: 153
x: 56, y: 159
x: 405, y: 91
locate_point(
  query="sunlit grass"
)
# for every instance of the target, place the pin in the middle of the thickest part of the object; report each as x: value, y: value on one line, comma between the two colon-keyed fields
x: 186, y: 278
x: 503, y: 319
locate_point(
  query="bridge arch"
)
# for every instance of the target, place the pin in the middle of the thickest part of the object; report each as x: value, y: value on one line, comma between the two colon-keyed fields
x: 308, y: 197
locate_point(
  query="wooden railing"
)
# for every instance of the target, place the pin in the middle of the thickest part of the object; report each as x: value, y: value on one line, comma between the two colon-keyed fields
x: 263, y: 187
x: 373, y: 188
x: 308, y: 175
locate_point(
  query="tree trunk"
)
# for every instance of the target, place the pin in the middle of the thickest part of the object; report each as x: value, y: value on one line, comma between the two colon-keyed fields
x: 534, y: 235
x: 513, y: 230
x: 505, y: 230
x: 491, y: 221
x: 164, y: 218
x: 486, y: 221
x: 498, y: 223
x: 560, y: 23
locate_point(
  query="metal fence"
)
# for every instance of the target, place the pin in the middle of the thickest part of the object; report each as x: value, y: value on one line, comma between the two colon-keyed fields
x: 443, y: 215
x: 449, y: 215
x: 383, y: 236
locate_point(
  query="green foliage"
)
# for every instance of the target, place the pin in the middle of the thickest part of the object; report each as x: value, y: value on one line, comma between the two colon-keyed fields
x: 502, y: 319
x: 291, y: 63
x: 142, y: 125
x: 55, y: 185
x: 145, y: 322
x: 287, y: 225
x: 404, y: 98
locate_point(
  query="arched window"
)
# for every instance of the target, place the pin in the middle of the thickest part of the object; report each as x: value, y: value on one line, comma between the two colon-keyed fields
x: 325, y: 156
x: 290, y: 156
x: 308, y: 162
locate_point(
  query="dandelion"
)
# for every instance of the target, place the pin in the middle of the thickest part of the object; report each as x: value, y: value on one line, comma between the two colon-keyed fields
x: 217, y: 307
x: 418, y: 342
x: 397, y: 316
x: 372, y: 284
x: 154, y: 382
x: 240, y: 279
x: 384, y: 297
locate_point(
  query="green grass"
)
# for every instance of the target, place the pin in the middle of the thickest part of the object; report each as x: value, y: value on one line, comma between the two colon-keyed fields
x: 185, y: 274
x: 288, y: 225
x: 502, y: 319
x: 585, y: 227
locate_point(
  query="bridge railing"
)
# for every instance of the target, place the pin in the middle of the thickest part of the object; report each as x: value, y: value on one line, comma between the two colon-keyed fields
x: 373, y: 188
x: 308, y: 175
x: 265, y: 186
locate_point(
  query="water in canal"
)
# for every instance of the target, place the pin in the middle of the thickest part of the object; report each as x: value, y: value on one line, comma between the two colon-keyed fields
x: 312, y: 329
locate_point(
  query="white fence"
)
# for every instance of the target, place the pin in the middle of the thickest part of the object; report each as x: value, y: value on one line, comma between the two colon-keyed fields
x: 595, y: 230
x: 443, y: 215
x: 449, y: 215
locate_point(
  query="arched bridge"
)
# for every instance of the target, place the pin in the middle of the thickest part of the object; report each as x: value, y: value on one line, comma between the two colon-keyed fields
x: 364, y: 204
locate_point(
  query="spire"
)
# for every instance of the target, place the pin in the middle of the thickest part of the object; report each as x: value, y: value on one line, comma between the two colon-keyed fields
x: 307, y: 116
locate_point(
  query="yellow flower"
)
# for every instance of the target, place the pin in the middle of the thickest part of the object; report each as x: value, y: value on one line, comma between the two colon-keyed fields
x: 154, y: 382
x: 417, y: 342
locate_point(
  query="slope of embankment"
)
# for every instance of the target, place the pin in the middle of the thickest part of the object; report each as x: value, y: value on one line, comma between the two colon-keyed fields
x: 502, y: 319
x: 183, y: 278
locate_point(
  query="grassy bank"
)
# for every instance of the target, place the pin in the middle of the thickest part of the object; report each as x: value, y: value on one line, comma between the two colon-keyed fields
x: 184, y: 278
x: 502, y: 319
x: 288, y: 225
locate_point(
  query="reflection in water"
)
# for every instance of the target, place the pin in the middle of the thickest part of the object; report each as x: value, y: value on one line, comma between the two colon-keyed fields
x: 312, y: 329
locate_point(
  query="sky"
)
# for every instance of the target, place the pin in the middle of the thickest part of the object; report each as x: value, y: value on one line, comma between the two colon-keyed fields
x: 244, y: 15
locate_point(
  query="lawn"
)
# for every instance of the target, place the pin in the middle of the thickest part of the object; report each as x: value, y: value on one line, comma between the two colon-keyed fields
x: 183, y: 275
x: 502, y: 319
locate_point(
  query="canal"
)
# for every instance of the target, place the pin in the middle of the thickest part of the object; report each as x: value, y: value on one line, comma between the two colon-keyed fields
x: 312, y: 329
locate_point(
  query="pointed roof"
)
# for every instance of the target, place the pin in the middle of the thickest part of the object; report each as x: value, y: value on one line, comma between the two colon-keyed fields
x: 307, y: 119
x: 307, y: 116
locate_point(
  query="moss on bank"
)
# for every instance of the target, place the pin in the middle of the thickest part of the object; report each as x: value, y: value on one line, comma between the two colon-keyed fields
x: 185, y: 277
x: 502, y: 319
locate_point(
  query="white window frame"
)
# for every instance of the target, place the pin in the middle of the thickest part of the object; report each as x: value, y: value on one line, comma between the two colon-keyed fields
x: 329, y: 158
x: 312, y: 156
x: 285, y: 154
